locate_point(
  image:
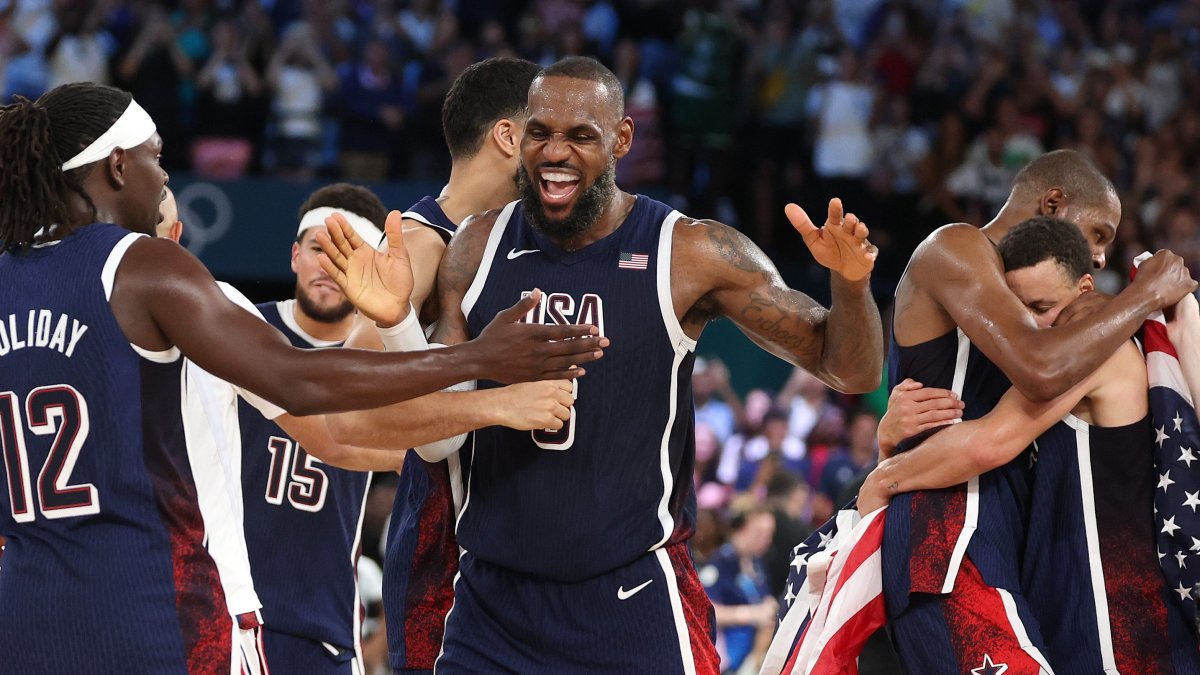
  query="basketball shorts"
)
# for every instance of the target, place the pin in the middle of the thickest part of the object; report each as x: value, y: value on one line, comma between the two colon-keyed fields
x: 650, y: 616
x: 973, y: 629
x: 290, y: 655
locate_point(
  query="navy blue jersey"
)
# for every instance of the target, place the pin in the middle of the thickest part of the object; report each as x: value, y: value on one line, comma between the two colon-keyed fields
x: 105, y: 569
x: 428, y: 211
x: 422, y: 554
x: 929, y: 532
x: 616, y: 481
x: 1090, y: 572
x: 303, y: 519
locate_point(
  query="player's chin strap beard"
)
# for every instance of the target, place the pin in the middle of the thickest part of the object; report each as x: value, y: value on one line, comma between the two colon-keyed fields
x: 588, y: 207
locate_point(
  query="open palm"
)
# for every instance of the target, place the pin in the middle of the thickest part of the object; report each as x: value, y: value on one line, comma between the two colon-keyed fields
x: 841, y: 244
x: 377, y: 282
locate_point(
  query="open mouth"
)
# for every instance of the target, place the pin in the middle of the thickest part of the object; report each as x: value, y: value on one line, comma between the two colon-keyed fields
x: 557, y: 186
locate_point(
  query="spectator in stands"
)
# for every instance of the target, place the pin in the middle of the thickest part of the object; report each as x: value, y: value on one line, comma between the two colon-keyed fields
x: 736, y: 583
x: 81, y: 49
x: 859, y: 455
x: 372, y: 114
x: 228, y: 117
x: 717, y: 404
x: 645, y: 163
x: 153, y: 69
x: 298, y: 76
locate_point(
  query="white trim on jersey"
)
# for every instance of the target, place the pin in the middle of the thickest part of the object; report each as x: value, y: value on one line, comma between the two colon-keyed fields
x: 682, y: 345
x: 1091, y: 530
x: 108, y: 277
x: 971, y: 517
x: 681, y: 627
x: 489, y: 254
x: 286, y: 313
x: 413, y: 215
x: 1018, y: 629
x: 356, y: 666
x: 453, y: 599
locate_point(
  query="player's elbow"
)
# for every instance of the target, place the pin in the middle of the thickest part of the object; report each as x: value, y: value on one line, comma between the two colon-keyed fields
x: 856, y: 381
x: 993, y: 450
x: 1040, y: 379
x: 342, y: 428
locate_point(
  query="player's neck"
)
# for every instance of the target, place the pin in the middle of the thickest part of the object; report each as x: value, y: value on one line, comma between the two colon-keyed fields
x: 1011, y: 214
x: 329, y: 332
x: 476, y: 185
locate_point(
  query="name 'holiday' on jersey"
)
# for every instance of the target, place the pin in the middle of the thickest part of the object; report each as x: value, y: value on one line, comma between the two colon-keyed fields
x: 616, y: 480
x: 105, y: 570
x: 303, y: 520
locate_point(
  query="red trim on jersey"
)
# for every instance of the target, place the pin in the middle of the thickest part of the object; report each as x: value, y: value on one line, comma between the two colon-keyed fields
x: 698, y: 611
x: 944, y: 513
x: 979, y: 626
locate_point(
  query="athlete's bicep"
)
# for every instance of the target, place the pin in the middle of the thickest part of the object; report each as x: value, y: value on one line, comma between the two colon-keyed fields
x: 164, y: 296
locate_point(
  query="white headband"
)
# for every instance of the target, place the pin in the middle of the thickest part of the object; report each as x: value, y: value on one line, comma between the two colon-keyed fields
x: 131, y: 129
x: 365, y: 228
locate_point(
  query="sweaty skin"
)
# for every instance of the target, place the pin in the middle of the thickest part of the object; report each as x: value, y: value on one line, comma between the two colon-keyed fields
x: 574, y: 128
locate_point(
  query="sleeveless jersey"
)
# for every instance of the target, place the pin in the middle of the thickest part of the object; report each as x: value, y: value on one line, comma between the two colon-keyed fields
x: 303, y: 519
x: 1090, y: 571
x: 105, y: 569
x: 616, y: 481
x: 422, y: 555
x: 928, y: 532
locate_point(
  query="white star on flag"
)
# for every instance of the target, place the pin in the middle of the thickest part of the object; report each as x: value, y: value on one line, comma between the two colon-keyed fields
x: 1181, y: 557
x: 789, y: 596
x: 1160, y: 435
x: 1183, y: 591
x: 1169, y: 526
x: 799, y: 561
x: 1178, y: 421
x: 826, y: 537
x: 1193, y: 500
x: 1164, y: 481
x: 1161, y: 555
x: 1196, y: 544
x: 1187, y: 457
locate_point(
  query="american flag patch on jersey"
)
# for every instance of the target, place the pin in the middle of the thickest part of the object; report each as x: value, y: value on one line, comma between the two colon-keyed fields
x: 633, y: 261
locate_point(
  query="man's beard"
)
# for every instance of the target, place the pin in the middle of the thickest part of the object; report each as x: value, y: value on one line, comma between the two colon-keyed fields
x: 320, y: 314
x: 587, y: 210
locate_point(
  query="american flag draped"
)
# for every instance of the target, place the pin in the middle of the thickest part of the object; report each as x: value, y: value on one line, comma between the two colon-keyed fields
x: 1176, y: 447
x: 834, y: 598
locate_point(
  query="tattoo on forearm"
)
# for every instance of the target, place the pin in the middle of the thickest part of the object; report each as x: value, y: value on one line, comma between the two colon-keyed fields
x: 786, y: 320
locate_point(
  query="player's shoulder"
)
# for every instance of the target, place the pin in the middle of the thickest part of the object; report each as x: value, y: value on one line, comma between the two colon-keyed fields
x: 956, y: 243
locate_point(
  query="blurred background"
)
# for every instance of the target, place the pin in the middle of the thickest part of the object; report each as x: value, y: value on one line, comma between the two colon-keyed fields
x: 915, y: 113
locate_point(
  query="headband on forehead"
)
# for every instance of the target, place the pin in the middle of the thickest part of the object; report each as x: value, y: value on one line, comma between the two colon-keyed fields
x: 131, y: 129
x: 365, y: 228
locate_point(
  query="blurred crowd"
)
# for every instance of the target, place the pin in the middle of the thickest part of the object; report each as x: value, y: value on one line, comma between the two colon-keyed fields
x: 916, y: 112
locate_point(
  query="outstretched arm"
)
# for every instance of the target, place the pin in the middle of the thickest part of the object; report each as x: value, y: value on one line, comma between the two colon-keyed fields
x: 723, y: 273
x: 959, y: 268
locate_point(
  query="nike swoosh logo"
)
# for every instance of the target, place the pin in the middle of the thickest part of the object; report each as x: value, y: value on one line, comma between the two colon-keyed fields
x: 517, y: 254
x: 623, y: 594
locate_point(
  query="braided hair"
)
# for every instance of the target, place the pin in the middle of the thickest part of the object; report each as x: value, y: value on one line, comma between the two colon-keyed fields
x: 36, y: 137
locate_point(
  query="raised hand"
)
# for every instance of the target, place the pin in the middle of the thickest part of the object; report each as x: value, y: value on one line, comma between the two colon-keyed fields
x: 531, y: 406
x: 914, y: 408
x: 508, y: 351
x: 841, y: 244
x: 378, y: 283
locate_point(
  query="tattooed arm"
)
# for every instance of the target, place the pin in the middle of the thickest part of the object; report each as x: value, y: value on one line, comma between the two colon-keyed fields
x: 717, y: 271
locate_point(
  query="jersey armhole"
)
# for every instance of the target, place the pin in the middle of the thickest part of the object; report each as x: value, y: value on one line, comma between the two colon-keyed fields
x: 666, y: 304
x: 108, y: 277
x: 485, y: 264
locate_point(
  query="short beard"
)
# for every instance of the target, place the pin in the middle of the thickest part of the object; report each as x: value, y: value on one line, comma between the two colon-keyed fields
x: 319, y: 314
x: 587, y: 210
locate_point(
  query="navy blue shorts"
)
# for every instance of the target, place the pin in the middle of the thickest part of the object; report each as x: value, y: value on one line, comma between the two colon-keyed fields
x: 651, y: 616
x: 290, y: 655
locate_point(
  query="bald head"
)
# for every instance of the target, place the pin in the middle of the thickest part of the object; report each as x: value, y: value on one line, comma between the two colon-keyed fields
x: 1072, y: 172
x: 169, y: 227
x: 590, y: 70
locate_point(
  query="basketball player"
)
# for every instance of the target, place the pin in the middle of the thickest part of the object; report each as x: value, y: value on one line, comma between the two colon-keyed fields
x: 96, y: 317
x: 575, y: 540
x: 1090, y: 572
x: 957, y: 326
x: 482, y: 118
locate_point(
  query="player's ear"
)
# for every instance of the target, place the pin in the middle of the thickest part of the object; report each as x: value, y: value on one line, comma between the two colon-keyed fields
x: 624, y: 138
x: 1087, y: 283
x: 295, y: 254
x: 506, y: 136
x: 1053, y: 201
x: 115, y: 167
x: 176, y: 231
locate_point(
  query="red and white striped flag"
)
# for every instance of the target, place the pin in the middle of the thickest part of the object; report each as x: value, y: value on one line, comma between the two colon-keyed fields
x: 836, y: 594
